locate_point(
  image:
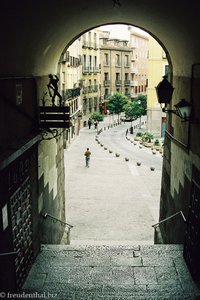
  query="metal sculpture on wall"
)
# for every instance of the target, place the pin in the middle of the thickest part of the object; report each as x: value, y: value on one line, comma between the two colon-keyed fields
x: 53, y: 89
x: 116, y: 3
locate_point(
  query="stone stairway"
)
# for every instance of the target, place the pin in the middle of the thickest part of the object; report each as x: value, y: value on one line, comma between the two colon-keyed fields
x: 110, y: 272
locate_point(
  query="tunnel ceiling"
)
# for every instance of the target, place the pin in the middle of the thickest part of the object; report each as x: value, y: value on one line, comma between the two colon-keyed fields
x: 34, y: 33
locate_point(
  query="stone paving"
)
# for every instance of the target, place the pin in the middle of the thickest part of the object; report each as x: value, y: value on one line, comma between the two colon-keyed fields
x: 114, y: 199
x: 103, y: 272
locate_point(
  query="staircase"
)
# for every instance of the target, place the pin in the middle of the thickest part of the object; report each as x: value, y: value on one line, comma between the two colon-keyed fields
x: 110, y: 272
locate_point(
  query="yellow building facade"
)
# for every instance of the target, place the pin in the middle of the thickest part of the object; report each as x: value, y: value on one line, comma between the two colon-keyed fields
x: 157, y: 67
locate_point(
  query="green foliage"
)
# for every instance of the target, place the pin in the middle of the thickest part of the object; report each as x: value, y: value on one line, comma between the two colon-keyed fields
x: 133, y: 110
x: 139, y: 134
x: 143, y: 102
x: 157, y: 142
x: 116, y: 103
x: 96, y: 116
x: 148, y: 137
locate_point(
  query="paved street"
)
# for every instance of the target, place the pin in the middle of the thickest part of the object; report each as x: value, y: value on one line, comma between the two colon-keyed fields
x: 113, y: 200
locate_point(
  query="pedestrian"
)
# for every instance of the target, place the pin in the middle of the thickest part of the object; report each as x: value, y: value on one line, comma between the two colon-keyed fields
x: 89, y: 123
x: 95, y: 124
x: 87, y: 157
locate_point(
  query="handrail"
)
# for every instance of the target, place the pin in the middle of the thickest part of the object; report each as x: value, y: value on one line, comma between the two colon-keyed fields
x: 170, y: 217
x: 57, y: 220
x: 9, y: 253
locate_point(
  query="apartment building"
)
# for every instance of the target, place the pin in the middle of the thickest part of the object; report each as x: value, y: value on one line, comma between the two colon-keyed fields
x: 90, y: 72
x: 79, y: 79
x: 115, y: 57
x: 70, y: 71
x: 157, y: 67
x: 139, y: 42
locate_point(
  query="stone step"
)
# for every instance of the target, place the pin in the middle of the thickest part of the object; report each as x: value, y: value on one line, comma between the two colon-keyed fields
x: 84, y: 272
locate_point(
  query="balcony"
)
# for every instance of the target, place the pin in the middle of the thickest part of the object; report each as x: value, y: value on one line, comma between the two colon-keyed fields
x: 127, y: 82
x: 133, y: 58
x: 106, y: 83
x: 118, y: 82
x: 134, y: 82
x: 96, y: 70
x: 106, y: 96
x: 95, y: 88
x: 72, y: 93
x: 85, y: 90
x: 85, y: 70
x: 134, y: 70
x: 134, y: 45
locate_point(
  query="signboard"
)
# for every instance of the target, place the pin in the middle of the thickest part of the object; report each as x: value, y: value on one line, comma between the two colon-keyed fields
x: 5, y: 217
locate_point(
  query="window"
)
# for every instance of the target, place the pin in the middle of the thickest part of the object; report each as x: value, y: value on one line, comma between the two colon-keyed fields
x: 95, y: 61
x: 106, y: 59
x: 117, y: 76
x: 106, y: 76
x: 126, y: 62
x: 84, y: 61
x: 117, y: 60
x: 90, y: 61
x: 126, y: 76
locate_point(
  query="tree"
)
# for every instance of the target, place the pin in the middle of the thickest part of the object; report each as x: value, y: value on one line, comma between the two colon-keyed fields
x: 116, y: 103
x: 133, y: 110
x: 142, y: 99
x: 97, y: 116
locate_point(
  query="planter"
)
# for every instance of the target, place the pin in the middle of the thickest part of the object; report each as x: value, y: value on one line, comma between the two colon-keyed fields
x: 153, y: 151
x: 126, y: 159
x: 110, y: 151
x: 138, y: 138
x: 157, y: 148
x: 140, y: 146
x: 105, y: 148
x: 152, y: 168
x: 117, y: 154
x: 138, y: 163
x: 148, y: 144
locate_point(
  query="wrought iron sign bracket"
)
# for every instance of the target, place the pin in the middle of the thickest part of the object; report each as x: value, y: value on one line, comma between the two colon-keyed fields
x: 53, y: 118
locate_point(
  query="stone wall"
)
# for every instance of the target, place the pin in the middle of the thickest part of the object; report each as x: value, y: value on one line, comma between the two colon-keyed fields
x: 181, y: 156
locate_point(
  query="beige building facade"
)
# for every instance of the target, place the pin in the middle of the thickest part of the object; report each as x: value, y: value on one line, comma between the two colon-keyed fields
x: 139, y: 43
x: 115, y: 57
x: 90, y: 72
x: 157, y: 67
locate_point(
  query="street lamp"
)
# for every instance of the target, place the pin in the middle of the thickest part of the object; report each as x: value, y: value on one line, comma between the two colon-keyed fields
x: 164, y: 92
x: 139, y: 102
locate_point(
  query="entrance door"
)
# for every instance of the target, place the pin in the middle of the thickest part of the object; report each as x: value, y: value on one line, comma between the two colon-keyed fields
x: 191, y: 251
x: 16, y: 246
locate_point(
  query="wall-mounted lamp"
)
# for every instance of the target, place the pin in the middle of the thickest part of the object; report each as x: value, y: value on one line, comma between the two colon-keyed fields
x: 164, y: 92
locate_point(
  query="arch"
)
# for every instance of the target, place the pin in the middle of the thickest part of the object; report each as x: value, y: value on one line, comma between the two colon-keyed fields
x: 139, y: 27
x: 58, y: 24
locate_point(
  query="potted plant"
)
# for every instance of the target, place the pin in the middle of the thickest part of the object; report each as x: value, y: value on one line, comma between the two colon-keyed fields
x: 147, y: 139
x: 138, y: 136
x: 156, y: 145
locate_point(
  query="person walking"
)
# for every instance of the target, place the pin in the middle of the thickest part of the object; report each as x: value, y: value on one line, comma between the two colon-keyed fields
x: 89, y: 123
x: 95, y: 124
x: 87, y: 157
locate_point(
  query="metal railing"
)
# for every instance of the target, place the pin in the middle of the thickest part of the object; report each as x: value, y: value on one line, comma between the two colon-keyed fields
x: 9, y: 253
x: 69, y: 226
x: 170, y: 217
x: 57, y: 220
